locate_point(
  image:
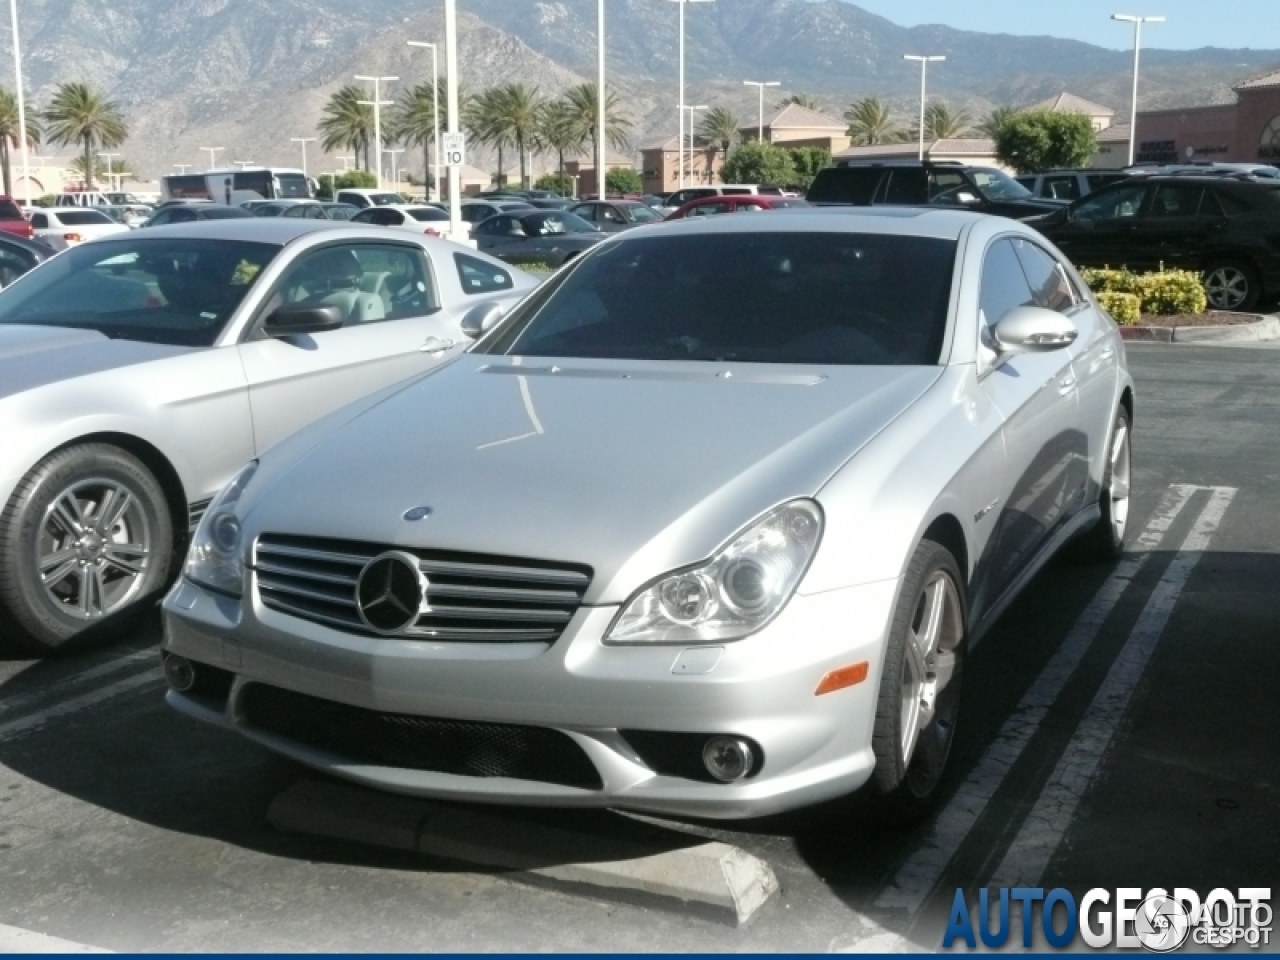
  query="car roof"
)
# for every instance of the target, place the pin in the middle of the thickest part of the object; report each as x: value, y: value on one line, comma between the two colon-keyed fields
x: 276, y: 230
x: 899, y: 221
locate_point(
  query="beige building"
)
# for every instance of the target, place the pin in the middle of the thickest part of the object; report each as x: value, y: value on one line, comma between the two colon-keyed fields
x: 1113, y: 147
x: 660, y: 165
x: 582, y: 170
x: 1101, y: 117
x: 797, y: 126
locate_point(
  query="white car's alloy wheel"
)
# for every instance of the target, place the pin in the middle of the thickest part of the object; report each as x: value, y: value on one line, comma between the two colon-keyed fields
x: 929, y: 702
x: 1121, y: 473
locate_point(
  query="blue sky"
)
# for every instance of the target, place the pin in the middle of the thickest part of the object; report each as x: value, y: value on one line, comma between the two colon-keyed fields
x: 1191, y: 23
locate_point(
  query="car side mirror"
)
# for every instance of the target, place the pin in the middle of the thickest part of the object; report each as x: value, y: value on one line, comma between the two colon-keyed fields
x: 1033, y: 330
x: 294, y: 320
x: 480, y: 319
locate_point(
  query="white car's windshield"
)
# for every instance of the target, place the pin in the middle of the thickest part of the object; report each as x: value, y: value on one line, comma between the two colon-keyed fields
x: 998, y: 185
x: 825, y: 298
x: 177, y: 292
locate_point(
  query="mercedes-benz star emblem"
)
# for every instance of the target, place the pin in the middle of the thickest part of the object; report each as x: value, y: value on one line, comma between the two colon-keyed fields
x: 414, y: 514
x: 390, y: 593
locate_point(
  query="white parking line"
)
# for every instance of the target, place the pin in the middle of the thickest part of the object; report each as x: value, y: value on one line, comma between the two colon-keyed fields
x: 17, y: 940
x: 921, y: 872
x: 20, y: 702
x: 15, y: 727
x: 1041, y: 833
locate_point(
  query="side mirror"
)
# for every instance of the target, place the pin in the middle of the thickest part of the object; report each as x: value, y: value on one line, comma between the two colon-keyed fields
x: 1033, y: 330
x: 480, y: 319
x: 293, y: 320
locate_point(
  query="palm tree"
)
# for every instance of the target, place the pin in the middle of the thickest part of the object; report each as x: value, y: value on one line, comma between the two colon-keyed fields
x: 557, y: 131
x: 486, y: 119
x: 412, y: 121
x: 996, y: 119
x: 800, y: 100
x: 347, y: 124
x: 78, y: 114
x: 718, y: 129
x: 582, y: 102
x: 9, y: 140
x: 941, y: 124
x: 870, y: 122
x: 521, y: 110
x: 119, y: 168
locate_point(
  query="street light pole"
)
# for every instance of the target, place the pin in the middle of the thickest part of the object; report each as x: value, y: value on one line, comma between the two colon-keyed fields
x: 304, y: 141
x: 213, y: 152
x: 434, y: 192
x: 602, y: 103
x: 1137, y: 45
x: 108, y: 157
x: 681, y: 107
x: 761, y: 84
x: 395, y: 179
x: 456, y: 230
x: 22, y: 104
x: 377, y: 103
x: 183, y: 167
x: 924, y: 70
x: 691, y: 111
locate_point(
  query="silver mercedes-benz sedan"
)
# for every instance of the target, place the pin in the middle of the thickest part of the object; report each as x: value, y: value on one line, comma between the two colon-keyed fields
x: 139, y: 373
x: 726, y: 504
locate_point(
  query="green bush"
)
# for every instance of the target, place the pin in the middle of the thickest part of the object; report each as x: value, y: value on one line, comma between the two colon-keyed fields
x: 560, y: 183
x: 1160, y: 294
x: 1124, y: 307
x: 623, y: 180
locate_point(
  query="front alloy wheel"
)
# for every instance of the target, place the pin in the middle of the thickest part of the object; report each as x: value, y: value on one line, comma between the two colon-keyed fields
x: 1230, y: 286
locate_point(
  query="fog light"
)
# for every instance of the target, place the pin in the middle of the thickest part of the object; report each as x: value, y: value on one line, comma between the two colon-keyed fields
x: 727, y: 758
x: 179, y: 672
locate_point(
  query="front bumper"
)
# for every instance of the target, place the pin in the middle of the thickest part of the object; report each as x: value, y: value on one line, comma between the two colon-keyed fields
x: 762, y: 688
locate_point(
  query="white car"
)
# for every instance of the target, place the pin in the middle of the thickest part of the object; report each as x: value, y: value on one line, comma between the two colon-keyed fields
x: 419, y: 218
x: 368, y: 198
x: 63, y: 227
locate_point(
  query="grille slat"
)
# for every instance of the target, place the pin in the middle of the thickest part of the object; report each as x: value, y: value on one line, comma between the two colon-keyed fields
x: 406, y: 741
x: 470, y: 597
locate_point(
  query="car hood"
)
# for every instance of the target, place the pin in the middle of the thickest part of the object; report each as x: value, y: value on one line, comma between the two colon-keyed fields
x: 32, y: 356
x: 632, y: 468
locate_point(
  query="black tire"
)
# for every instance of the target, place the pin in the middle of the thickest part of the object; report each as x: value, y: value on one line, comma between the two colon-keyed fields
x: 908, y: 774
x: 98, y: 575
x: 1232, y: 285
x: 1104, y: 542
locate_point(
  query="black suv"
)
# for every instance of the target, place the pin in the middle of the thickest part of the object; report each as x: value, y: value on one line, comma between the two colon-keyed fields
x: 1227, y: 228
x: 911, y: 183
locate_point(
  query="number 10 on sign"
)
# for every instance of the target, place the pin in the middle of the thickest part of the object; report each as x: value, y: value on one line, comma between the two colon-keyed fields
x: 455, y: 149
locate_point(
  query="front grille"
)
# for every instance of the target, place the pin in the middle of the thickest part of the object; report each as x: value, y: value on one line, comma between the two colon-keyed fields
x: 471, y: 598
x: 461, y: 747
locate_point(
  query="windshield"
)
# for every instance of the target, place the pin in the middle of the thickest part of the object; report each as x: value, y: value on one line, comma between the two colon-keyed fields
x: 813, y: 298
x: 555, y: 224
x: 384, y: 199
x: 177, y: 292
x: 640, y: 214
x: 997, y: 185
x: 293, y: 186
x: 428, y: 214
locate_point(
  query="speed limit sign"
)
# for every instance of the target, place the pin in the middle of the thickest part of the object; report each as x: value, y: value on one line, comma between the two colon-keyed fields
x: 455, y: 149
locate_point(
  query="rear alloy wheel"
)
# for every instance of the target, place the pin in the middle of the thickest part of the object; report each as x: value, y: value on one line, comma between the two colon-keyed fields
x: 84, y: 538
x: 1105, y: 541
x: 1231, y: 286
x: 919, y: 701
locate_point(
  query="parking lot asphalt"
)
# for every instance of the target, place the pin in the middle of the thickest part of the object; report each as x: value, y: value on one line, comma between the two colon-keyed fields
x: 1121, y: 728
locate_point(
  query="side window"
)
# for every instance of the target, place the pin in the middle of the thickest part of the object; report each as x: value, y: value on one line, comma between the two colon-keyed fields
x: 1028, y: 181
x: 182, y: 215
x: 1230, y: 205
x: 944, y: 185
x: 161, y: 218
x: 1176, y: 200
x: 1004, y: 284
x: 297, y: 210
x: 386, y: 218
x: 479, y: 276
x: 13, y: 264
x: 906, y: 187
x: 736, y: 192
x: 1062, y: 188
x: 40, y: 221
x: 368, y: 283
x: 1122, y: 203
x: 586, y: 211
x: 610, y: 215
x: 711, y: 209
x: 1049, y: 285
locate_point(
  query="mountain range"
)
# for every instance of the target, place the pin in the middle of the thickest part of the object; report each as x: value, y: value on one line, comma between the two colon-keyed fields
x: 248, y: 75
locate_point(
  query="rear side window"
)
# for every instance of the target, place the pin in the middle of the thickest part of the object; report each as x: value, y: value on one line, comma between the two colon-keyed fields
x: 906, y: 187
x: 479, y: 276
x: 83, y: 218
x: 39, y: 221
x: 853, y: 185
x: 428, y: 215
x: 736, y: 192
x: 1062, y: 188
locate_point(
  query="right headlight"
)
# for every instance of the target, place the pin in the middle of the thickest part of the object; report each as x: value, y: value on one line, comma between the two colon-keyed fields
x: 216, y: 557
x: 732, y: 595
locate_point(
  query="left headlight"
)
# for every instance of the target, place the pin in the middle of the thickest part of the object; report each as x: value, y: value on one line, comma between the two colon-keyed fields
x: 216, y: 557
x: 733, y: 594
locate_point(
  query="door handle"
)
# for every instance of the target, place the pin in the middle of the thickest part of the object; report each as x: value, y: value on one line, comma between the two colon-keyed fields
x: 1108, y: 353
x: 436, y: 345
x: 1066, y: 384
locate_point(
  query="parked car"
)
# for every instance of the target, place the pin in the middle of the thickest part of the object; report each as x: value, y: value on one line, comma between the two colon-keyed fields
x: 13, y: 221
x: 614, y: 216
x: 62, y: 227
x: 139, y: 372
x: 191, y: 212
x: 690, y: 550
x: 674, y: 201
x: 476, y: 211
x: 714, y: 206
x: 1069, y: 184
x: 553, y: 237
x: 19, y: 256
x: 131, y: 215
x: 910, y: 183
x: 1227, y: 228
x: 362, y: 198
x: 303, y: 209
x: 1206, y: 169
x: 339, y: 211
x: 418, y: 218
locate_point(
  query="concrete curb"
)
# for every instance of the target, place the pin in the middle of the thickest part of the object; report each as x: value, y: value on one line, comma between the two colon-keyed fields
x: 656, y: 867
x: 1266, y: 328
